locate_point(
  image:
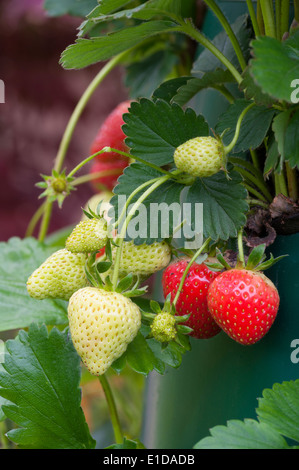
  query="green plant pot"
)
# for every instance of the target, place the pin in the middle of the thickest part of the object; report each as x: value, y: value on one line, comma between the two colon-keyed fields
x: 219, y: 379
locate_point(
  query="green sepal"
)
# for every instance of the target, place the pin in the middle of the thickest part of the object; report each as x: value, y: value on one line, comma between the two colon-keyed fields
x: 184, y: 329
x: 103, y: 266
x: 125, y: 283
x: 270, y: 262
x: 256, y: 256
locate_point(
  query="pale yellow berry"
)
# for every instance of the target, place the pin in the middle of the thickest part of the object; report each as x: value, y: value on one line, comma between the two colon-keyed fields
x: 102, y: 324
x: 201, y: 156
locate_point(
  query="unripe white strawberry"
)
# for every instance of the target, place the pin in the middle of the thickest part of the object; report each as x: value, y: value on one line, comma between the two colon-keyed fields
x: 201, y: 156
x: 58, y: 277
x: 141, y: 260
x: 88, y: 236
x: 102, y: 324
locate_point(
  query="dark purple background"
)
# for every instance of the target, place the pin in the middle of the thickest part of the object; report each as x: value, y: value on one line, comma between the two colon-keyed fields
x: 40, y: 97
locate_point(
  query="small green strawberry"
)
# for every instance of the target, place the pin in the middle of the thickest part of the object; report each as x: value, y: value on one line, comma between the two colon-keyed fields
x: 59, y: 276
x: 88, y: 236
x: 102, y: 324
x: 201, y: 156
x: 163, y: 327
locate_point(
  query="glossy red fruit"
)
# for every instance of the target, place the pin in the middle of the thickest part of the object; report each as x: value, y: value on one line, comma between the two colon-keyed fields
x: 111, y: 135
x: 244, y: 304
x: 193, y: 297
x: 110, y: 180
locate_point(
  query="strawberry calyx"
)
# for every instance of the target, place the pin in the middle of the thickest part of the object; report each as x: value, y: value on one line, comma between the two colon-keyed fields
x: 256, y: 261
x: 165, y: 325
x: 56, y: 187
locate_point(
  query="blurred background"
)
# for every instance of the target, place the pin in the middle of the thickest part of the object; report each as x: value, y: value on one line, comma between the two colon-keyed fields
x: 39, y: 99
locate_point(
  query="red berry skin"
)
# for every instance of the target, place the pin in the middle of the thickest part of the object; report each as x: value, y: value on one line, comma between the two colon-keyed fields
x: 193, y: 297
x: 111, y: 135
x: 244, y: 304
x: 109, y: 181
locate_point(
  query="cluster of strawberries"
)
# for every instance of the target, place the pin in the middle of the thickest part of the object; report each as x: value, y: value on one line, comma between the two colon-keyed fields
x: 103, y: 319
x: 241, y: 302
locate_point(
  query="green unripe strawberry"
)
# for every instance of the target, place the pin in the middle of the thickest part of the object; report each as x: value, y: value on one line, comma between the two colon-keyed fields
x: 201, y: 156
x: 163, y: 327
x: 88, y: 236
x: 102, y: 324
x: 58, y: 277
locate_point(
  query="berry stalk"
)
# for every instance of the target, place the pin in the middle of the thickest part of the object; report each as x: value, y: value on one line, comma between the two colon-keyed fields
x: 120, y: 237
x: 198, y: 252
x: 112, y: 409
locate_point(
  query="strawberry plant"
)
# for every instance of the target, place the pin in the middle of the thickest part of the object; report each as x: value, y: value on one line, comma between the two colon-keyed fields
x: 196, y: 202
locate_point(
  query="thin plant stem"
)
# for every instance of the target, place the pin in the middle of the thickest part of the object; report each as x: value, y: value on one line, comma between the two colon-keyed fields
x: 285, y: 14
x: 229, y: 147
x: 227, y: 27
x: 278, y: 19
x: 45, y: 221
x: 258, y: 183
x: 257, y: 202
x: 296, y: 8
x: 99, y: 174
x: 188, y: 28
x: 118, y: 434
x: 253, y: 18
x: 268, y: 16
x: 34, y: 220
x: 259, y: 18
x: 224, y: 91
x: 255, y: 193
x: 292, y: 178
x: 132, y: 195
x: 254, y: 158
x: 280, y: 184
x: 198, y: 252
x: 120, y: 237
x: 241, y: 248
x: 69, y: 130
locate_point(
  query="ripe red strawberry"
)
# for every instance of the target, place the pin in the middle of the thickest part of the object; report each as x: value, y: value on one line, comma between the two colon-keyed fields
x: 244, y: 304
x: 111, y: 135
x: 193, y: 297
x: 109, y: 181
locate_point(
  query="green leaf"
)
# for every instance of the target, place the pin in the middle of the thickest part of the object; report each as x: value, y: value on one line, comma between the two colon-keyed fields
x: 181, y: 90
x: 145, y: 11
x: 18, y: 259
x: 69, y: 7
x: 279, y: 408
x: 41, y: 380
x: 207, y: 62
x: 291, y: 144
x: 243, y: 435
x: 141, y: 227
x: 253, y: 91
x: 155, y: 129
x: 90, y: 51
x: 254, y: 127
x: 279, y: 126
x: 275, y: 65
x: 224, y: 204
x: 144, y: 75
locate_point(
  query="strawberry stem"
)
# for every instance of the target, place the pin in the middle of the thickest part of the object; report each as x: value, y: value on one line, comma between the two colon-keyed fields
x: 241, y: 248
x: 228, y: 29
x: 112, y: 409
x: 198, y: 252
x: 253, y: 18
x: 229, y: 147
x: 120, y: 237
